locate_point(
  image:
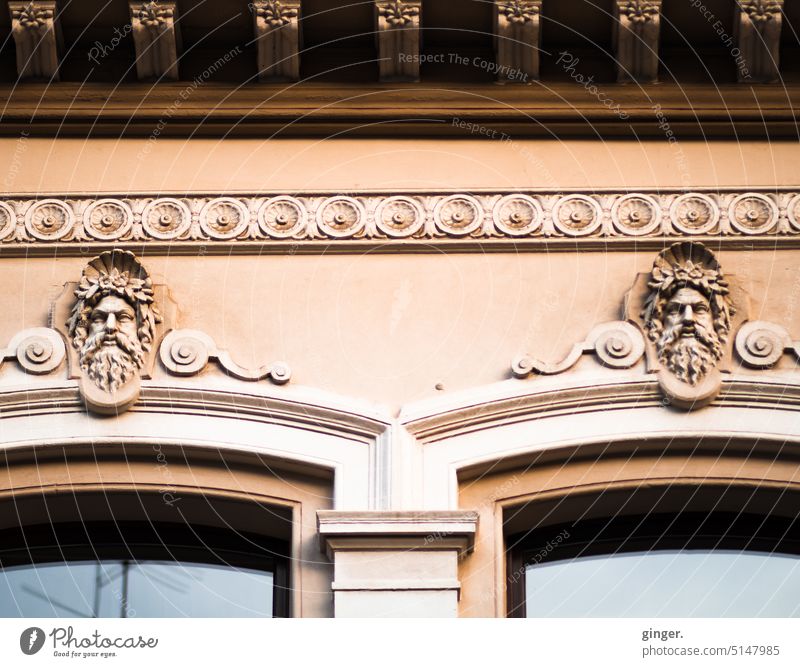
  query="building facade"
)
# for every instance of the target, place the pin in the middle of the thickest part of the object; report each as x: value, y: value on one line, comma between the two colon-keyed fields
x: 396, y: 302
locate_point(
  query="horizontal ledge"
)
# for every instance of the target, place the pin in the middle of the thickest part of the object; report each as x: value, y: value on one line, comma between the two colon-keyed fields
x: 398, y: 585
x: 387, y: 523
x: 434, y: 246
x: 385, y: 110
x: 376, y: 530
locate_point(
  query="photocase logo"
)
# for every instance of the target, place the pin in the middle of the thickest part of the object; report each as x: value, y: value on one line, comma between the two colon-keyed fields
x: 31, y: 640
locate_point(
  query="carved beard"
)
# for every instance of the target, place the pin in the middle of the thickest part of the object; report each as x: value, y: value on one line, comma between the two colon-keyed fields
x: 689, y: 359
x: 110, y: 367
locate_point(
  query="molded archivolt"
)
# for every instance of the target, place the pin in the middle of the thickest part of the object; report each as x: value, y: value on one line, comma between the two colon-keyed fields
x: 513, y: 425
x: 306, y: 430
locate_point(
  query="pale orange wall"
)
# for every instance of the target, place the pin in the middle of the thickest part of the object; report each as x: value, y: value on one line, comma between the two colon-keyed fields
x: 42, y: 165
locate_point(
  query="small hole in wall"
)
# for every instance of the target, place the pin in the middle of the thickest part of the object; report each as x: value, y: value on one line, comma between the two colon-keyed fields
x: 439, y: 386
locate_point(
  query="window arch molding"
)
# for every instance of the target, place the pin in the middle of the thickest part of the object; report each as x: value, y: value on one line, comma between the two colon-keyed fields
x: 240, y: 492
x: 675, y: 474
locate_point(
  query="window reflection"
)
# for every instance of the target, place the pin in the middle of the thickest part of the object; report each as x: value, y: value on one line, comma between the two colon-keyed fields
x: 689, y: 583
x: 124, y: 588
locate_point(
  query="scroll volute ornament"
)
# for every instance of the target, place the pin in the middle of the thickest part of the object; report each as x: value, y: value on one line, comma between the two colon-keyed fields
x: 689, y: 311
x: 113, y: 320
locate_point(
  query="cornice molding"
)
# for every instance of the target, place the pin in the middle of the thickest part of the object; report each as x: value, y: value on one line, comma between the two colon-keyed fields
x: 258, y: 223
x: 340, y: 418
x: 392, y: 530
x: 310, y: 109
x: 511, y: 402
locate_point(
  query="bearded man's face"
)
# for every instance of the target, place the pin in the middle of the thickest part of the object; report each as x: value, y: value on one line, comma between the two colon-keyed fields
x: 112, y: 352
x: 689, y: 345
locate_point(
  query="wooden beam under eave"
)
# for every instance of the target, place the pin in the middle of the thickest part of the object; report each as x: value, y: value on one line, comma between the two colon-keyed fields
x: 397, y: 30
x: 517, y: 37
x: 37, y: 35
x: 156, y: 37
x: 278, y: 30
x: 637, y: 31
x: 758, y: 35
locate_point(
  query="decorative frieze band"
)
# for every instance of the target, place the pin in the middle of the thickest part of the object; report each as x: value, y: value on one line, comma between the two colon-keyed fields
x: 425, y: 217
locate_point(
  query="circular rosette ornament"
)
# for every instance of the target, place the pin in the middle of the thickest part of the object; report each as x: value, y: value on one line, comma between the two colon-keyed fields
x: 694, y: 214
x: 753, y: 213
x: 517, y: 215
x: 399, y: 217
x: 166, y: 219
x: 8, y: 221
x: 224, y: 218
x: 107, y: 219
x: 577, y: 215
x: 458, y: 215
x: 282, y: 217
x: 636, y: 215
x: 49, y: 220
x: 341, y: 217
x: 793, y: 211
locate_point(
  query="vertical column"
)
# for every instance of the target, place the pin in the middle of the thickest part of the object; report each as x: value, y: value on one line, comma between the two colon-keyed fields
x: 398, y: 34
x: 279, y: 39
x: 157, y: 39
x: 636, y: 35
x: 37, y: 35
x: 758, y: 31
x: 517, y: 39
x: 396, y: 564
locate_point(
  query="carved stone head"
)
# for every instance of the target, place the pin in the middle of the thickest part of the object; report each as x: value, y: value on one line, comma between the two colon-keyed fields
x: 688, y: 310
x: 112, y: 324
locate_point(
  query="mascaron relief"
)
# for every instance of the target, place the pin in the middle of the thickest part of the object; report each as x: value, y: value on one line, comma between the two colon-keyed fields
x: 408, y: 216
x: 116, y: 322
x: 680, y: 318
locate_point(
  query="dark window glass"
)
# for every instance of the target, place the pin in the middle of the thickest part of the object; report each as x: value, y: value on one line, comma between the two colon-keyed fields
x: 660, y: 565
x: 140, y: 570
x: 666, y: 584
x: 148, y: 589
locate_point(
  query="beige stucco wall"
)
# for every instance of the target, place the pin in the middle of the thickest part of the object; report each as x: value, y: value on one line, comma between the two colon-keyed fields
x: 392, y: 328
x: 218, y: 165
x: 388, y: 329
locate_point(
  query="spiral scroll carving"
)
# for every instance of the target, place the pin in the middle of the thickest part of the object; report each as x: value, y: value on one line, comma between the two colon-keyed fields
x: 617, y: 344
x: 761, y: 344
x: 186, y: 352
x: 38, y: 351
